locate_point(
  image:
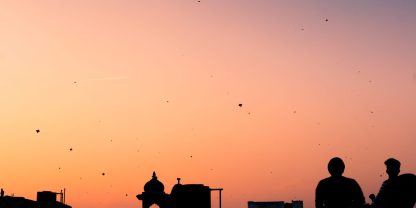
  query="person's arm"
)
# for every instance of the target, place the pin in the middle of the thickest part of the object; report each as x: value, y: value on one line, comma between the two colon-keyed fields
x: 319, y: 202
x: 380, y: 199
x: 358, y: 195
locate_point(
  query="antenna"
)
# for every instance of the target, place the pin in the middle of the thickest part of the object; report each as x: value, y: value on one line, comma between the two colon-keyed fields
x: 61, y: 199
x: 62, y: 196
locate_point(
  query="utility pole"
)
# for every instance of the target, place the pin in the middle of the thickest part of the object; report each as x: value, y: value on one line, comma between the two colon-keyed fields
x: 220, y: 190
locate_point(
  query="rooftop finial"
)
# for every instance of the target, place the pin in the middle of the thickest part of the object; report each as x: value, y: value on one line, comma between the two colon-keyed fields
x: 154, y: 175
x: 179, y: 180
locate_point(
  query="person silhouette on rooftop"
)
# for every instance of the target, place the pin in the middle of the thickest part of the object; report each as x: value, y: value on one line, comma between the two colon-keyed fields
x: 338, y: 191
x: 398, y: 191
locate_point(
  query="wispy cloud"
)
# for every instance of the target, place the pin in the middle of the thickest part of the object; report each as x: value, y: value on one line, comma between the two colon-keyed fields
x: 105, y: 78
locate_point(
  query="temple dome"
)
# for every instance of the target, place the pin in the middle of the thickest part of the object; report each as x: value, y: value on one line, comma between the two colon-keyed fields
x: 154, y: 185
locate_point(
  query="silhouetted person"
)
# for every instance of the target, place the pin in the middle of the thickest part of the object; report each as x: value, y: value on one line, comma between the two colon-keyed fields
x: 338, y: 191
x: 2, y: 193
x: 397, y: 191
x: 385, y: 197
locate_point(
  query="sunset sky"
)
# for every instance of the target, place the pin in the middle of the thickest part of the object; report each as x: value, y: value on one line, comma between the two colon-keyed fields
x: 136, y: 86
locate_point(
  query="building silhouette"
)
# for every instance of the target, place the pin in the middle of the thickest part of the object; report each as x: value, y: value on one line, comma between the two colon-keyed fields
x: 45, y: 199
x: 275, y: 204
x: 181, y: 196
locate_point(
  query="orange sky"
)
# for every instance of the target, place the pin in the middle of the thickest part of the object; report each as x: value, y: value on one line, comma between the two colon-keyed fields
x: 160, y: 81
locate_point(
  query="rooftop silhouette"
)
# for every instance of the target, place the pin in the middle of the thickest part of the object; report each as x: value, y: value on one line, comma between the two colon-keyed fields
x: 181, y: 196
x: 45, y: 199
x: 276, y: 204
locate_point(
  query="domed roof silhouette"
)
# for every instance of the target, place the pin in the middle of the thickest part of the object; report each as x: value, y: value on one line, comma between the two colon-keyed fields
x: 154, y: 185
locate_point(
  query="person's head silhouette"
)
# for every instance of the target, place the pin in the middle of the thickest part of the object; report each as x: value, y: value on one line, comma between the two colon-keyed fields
x: 392, y: 167
x: 336, y: 166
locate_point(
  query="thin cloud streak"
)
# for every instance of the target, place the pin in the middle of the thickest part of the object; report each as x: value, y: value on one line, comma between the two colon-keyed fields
x: 106, y: 78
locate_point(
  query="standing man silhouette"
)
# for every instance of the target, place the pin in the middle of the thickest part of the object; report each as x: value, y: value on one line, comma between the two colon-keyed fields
x: 338, y: 191
x: 397, y: 191
x: 386, y: 195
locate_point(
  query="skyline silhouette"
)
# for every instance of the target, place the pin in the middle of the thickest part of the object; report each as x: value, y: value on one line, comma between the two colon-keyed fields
x: 336, y: 191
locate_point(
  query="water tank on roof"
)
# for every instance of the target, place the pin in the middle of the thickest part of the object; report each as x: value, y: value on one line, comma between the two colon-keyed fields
x: 46, y: 196
x: 191, y: 196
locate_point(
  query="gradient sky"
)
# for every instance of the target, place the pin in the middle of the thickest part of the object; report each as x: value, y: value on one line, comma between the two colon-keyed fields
x: 140, y: 86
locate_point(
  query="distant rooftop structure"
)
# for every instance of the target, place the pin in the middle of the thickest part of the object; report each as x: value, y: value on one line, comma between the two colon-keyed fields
x: 45, y: 199
x: 181, y: 196
x: 272, y: 204
x: 275, y: 204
